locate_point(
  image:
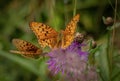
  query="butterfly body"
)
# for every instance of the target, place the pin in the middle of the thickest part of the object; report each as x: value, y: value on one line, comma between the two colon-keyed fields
x: 47, y: 36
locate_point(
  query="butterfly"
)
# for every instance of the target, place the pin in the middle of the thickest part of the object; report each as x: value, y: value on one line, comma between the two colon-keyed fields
x: 26, y: 48
x: 47, y: 36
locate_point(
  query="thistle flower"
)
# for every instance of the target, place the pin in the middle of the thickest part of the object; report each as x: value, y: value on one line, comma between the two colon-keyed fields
x: 72, y: 61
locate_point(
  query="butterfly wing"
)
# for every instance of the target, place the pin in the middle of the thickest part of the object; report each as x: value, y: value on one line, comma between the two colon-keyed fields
x: 26, y: 54
x: 68, y: 33
x: 26, y: 48
x: 46, y: 35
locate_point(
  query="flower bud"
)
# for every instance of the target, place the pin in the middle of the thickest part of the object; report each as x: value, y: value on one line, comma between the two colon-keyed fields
x: 94, y: 44
x: 108, y: 21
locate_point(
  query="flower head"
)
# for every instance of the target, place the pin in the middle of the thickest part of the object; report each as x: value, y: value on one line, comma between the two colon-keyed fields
x: 71, y: 61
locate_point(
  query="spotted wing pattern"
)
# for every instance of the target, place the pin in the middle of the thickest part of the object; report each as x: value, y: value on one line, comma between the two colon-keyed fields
x: 26, y: 48
x: 68, y: 33
x: 46, y: 35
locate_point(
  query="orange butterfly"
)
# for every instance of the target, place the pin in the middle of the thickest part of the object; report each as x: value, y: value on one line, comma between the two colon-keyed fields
x: 47, y: 36
x: 26, y: 48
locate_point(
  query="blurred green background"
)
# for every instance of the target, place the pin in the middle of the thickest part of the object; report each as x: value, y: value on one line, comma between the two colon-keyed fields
x: 15, y: 16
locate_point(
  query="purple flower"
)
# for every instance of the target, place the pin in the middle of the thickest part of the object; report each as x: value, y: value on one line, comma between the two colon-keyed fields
x: 68, y: 60
x: 71, y: 62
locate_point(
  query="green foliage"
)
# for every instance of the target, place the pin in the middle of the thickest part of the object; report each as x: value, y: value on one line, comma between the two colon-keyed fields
x: 15, y: 16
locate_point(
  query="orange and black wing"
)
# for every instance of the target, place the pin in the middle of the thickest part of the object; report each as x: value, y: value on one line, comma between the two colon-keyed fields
x: 46, y: 35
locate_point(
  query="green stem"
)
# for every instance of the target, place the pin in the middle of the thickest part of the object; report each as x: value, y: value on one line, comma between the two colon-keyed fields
x: 109, y: 54
x: 111, y: 49
x: 75, y: 5
x: 113, y: 8
x: 113, y: 34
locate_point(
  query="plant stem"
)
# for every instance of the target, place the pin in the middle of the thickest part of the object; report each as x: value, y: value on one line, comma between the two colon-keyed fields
x: 74, y: 9
x: 112, y: 42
